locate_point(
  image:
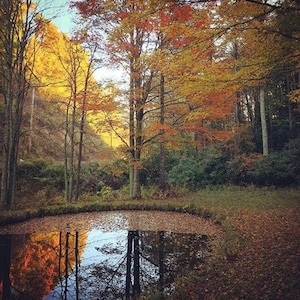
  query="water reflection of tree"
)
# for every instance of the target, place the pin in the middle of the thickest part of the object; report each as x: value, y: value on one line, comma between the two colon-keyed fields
x: 5, y: 249
x: 30, y: 263
x: 69, y: 252
x: 143, y: 262
x: 149, y: 262
x: 171, y: 254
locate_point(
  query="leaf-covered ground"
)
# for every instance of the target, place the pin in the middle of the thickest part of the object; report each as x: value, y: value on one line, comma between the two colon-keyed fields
x: 265, y: 265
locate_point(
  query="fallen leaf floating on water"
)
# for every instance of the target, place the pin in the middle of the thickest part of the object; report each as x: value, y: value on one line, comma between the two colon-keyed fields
x: 127, y: 220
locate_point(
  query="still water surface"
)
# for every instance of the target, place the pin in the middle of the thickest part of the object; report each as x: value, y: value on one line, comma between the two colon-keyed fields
x: 99, y: 262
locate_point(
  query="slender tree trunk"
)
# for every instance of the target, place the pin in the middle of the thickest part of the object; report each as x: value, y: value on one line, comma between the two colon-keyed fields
x: 80, y: 148
x: 81, y: 128
x: 31, y: 119
x: 135, y: 120
x: 139, y: 141
x: 137, y: 157
x: 288, y: 84
x: 72, y: 150
x: 264, y: 130
x: 66, y: 160
x: 8, y: 161
x: 290, y: 113
x: 254, y: 95
x: 131, y: 127
x: 73, y: 67
x: 250, y: 112
x: 162, y: 148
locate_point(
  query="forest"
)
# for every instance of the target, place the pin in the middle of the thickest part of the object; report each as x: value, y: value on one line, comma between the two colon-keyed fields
x: 210, y: 96
x: 202, y: 125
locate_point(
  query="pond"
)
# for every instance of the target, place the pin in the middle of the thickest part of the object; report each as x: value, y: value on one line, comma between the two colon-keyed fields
x: 107, y: 255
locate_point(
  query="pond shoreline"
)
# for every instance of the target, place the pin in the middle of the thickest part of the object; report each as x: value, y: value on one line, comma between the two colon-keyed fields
x: 13, y: 217
x: 128, y: 219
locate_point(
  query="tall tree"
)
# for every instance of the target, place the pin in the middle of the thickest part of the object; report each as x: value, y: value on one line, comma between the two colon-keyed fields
x: 130, y: 43
x: 69, y: 79
x: 79, y: 69
x: 245, y: 25
x: 19, y: 21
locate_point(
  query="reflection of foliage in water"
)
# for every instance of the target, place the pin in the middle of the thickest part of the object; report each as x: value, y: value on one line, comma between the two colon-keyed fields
x: 37, y: 260
x: 121, y: 265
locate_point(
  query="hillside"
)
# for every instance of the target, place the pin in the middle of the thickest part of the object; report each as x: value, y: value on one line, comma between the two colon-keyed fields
x: 47, y: 135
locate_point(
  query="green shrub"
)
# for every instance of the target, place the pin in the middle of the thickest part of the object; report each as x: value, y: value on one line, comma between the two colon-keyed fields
x: 185, y: 173
x: 31, y: 169
x: 279, y: 168
x: 47, y: 173
x: 239, y: 168
x: 213, y: 167
x: 106, y: 192
x: 94, y: 177
x: 150, y: 170
x: 53, y: 176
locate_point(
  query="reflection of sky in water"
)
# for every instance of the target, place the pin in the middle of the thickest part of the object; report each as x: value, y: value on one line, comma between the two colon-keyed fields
x: 101, y: 248
x: 104, y: 248
x: 98, y: 242
x: 103, y: 261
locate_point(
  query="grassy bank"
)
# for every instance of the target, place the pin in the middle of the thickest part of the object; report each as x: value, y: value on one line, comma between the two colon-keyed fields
x: 214, y: 202
x: 260, y: 259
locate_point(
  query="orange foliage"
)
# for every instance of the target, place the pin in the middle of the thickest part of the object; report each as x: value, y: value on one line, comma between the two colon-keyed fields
x: 37, y: 261
x: 156, y: 128
x: 181, y: 13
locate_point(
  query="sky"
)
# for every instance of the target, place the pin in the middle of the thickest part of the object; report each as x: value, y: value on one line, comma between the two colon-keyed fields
x: 59, y: 12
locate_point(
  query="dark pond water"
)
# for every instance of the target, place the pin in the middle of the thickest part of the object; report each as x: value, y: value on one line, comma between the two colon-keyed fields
x: 96, y: 263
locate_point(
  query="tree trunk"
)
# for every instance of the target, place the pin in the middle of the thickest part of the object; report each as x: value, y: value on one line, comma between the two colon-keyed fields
x: 66, y: 161
x: 80, y: 147
x: 131, y: 126
x: 136, y: 115
x: 16, y: 30
x: 72, y: 149
x: 138, y: 148
x: 264, y: 130
x: 82, y: 126
x: 162, y: 148
x: 290, y: 114
x: 75, y: 69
